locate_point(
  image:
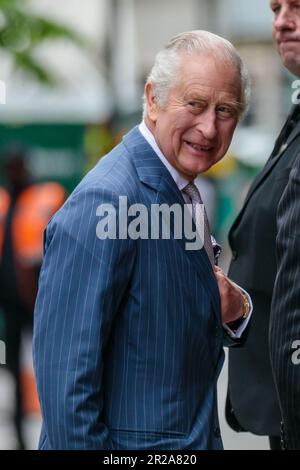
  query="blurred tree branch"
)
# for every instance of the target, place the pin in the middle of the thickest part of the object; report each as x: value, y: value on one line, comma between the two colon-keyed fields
x: 21, y: 31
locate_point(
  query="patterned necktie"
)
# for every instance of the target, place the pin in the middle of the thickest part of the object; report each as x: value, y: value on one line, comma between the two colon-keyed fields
x: 192, y: 191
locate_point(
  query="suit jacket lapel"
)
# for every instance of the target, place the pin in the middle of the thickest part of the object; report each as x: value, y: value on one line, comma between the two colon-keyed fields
x: 280, y: 139
x: 292, y: 136
x: 154, y: 174
x: 198, y: 258
x: 270, y: 164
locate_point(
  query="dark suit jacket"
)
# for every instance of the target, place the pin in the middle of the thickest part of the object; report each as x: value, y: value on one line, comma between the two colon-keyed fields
x: 253, y: 242
x: 285, y: 311
x: 128, y: 335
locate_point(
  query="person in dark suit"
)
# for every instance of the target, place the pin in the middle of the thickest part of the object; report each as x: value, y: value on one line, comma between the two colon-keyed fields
x: 285, y: 317
x: 285, y: 308
x: 129, y: 327
x: 252, y: 401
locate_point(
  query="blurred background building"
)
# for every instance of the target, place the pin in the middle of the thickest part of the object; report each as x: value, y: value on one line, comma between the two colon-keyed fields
x: 72, y: 91
x: 99, y: 84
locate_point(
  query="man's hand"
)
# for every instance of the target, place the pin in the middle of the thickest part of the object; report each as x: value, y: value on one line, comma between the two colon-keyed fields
x: 231, y: 297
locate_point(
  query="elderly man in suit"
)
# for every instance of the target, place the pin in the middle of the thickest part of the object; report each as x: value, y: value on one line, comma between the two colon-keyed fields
x: 129, y: 327
x: 253, y: 401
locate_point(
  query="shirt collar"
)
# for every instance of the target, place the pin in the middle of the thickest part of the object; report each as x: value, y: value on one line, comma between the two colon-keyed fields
x: 180, y: 181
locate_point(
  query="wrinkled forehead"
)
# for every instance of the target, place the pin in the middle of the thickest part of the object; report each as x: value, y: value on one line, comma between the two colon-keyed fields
x: 218, y: 55
x: 208, y: 70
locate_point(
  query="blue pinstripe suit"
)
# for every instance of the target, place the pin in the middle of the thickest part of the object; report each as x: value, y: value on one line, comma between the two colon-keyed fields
x: 128, y: 335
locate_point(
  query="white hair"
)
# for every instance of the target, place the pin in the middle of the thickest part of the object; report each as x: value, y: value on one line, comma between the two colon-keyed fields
x: 164, y: 73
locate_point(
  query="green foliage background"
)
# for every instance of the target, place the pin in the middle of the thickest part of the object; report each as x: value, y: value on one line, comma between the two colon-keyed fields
x: 22, y: 31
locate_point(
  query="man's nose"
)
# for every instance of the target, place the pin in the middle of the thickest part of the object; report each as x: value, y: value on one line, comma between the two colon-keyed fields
x: 284, y: 19
x: 207, y: 124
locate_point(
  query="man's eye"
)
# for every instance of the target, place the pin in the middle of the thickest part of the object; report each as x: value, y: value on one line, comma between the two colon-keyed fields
x: 225, y: 111
x: 196, y: 106
x: 275, y: 9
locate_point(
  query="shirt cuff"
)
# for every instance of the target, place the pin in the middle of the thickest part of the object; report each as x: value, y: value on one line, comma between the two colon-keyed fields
x: 236, y: 334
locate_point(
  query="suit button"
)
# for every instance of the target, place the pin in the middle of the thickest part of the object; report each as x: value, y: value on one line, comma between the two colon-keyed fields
x: 234, y: 255
x: 217, y: 432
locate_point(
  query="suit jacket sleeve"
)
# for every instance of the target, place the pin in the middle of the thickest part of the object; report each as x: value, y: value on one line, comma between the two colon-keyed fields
x: 285, y: 309
x: 82, y: 283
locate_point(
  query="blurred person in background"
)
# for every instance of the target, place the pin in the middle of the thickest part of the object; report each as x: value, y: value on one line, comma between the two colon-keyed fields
x: 25, y: 209
x: 252, y: 401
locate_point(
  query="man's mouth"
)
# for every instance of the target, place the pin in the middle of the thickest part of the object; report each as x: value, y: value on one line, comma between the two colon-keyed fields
x: 198, y: 147
x: 287, y: 40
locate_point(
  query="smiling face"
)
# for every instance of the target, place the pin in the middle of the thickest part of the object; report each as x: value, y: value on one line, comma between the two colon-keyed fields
x: 286, y: 32
x: 195, y: 126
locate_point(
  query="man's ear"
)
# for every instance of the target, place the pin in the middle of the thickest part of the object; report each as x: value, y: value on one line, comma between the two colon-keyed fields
x: 152, y: 106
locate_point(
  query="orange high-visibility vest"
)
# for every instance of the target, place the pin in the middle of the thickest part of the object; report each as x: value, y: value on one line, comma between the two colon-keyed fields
x: 4, y: 205
x: 34, y: 208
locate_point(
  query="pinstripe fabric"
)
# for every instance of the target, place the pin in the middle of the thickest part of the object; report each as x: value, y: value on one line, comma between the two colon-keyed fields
x: 127, y: 335
x: 252, y: 397
x: 285, y: 310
